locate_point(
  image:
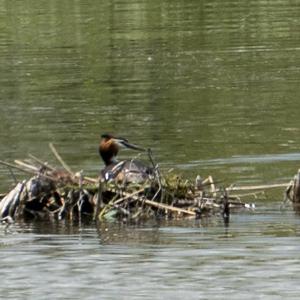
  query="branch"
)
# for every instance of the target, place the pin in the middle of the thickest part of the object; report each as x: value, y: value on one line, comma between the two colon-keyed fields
x: 58, y: 157
x: 257, y: 187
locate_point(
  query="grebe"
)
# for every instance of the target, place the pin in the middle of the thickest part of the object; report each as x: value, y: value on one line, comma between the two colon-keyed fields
x: 121, y: 171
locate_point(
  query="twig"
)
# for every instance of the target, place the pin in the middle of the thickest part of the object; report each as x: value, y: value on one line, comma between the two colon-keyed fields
x: 16, y: 201
x: 256, y: 187
x: 99, y: 201
x: 58, y: 157
x: 13, y: 175
x: 46, y: 165
x: 25, y: 170
x: 253, y: 194
x: 86, y: 179
x: 130, y: 196
x: 30, y: 167
x: 15, y: 167
x: 167, y: 207
x: 81, y: 194
x: 31, y: 171
x: 7, y: 220
x: 212, y: 186
x: 90, y: 179
x: 157, y: 175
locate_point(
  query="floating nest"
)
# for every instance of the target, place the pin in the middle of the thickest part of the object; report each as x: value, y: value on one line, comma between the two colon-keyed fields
x: 292, y: 193
x: 54, y: 193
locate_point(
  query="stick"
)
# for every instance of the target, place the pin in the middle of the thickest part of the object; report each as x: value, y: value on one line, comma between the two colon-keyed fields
x: 157, y: 175
x: 58, y: 157
x: 13, y: 175
x: 16, y: 201
x: 153, y: 203
x: 34, y: 169
x: 15, y: 167
x: 31, y: 172
x: 129, y: 196
x: 257, y: 187
x: 30, y: 167
x: 99, y: 202
x: 89, y: 179
x: 167, y: 207
x: 46, y: 165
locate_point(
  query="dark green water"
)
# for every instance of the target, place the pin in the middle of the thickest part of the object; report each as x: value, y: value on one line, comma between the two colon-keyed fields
x: 211, y: 86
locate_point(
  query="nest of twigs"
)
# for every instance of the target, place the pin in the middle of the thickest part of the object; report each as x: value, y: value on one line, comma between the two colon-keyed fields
x: 53, y: 193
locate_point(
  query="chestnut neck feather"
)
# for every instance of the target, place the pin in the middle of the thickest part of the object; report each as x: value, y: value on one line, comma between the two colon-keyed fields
x: 108, y: 150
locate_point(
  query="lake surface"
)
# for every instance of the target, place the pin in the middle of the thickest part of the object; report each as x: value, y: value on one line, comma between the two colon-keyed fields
x: 211, y: 86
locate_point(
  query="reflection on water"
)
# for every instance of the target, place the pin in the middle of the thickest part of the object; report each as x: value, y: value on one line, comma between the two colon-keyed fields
x: 250, y: 259
x: 211, y: 86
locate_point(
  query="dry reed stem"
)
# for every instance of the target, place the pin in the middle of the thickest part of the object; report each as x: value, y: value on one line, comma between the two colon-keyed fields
x: 58, y: 157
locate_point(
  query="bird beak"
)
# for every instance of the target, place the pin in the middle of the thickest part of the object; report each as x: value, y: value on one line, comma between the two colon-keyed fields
x: 124, y: 143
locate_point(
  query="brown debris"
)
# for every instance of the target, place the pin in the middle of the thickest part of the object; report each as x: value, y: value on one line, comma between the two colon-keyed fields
x: 61, y: 194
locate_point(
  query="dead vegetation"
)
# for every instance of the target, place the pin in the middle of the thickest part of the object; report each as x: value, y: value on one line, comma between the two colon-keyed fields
x: 292, y: 193
x: 60, y: 193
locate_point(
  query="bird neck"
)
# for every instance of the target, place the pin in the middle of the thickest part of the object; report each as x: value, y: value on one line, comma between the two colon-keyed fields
x: 107, y: 157
x: 108, y: 151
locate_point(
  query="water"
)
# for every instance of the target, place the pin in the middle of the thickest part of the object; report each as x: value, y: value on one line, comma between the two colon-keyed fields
x: 211, y: 86
x: 256, y: 257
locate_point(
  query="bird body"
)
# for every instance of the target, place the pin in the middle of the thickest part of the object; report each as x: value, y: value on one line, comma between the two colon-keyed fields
x: 127, y: 171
